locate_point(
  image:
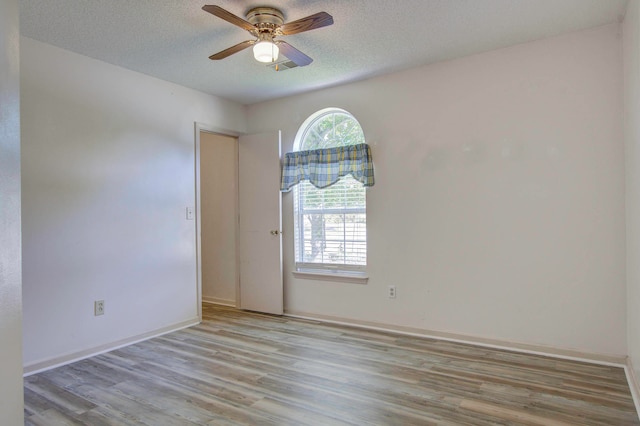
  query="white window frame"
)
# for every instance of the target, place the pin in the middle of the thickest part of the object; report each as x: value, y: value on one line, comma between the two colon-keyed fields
x: 324, y: 271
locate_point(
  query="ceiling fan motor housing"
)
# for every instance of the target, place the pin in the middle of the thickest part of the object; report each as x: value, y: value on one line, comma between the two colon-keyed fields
x: 266, y: 17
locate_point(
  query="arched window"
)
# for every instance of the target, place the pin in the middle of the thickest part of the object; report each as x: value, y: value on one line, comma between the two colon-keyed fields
x: 330, y: 223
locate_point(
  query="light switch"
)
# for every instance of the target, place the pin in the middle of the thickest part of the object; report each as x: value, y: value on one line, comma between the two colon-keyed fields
x: 189, y: 213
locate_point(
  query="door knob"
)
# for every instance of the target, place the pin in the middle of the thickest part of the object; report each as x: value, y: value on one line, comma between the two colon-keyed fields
x: 276, y: 232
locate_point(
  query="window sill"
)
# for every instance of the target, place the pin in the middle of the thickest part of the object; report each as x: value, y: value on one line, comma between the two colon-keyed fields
x: 337, y: 276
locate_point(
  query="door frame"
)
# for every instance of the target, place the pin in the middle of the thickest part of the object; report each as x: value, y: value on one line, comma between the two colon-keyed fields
x: 202, y: 127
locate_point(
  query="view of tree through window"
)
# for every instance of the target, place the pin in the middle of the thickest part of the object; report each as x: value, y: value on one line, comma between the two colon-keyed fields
x: 332, y: 129
x: 330, y: 223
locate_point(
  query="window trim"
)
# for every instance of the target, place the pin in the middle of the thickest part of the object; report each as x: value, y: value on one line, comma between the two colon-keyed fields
x: 326, y: 275
x: 324, y: 271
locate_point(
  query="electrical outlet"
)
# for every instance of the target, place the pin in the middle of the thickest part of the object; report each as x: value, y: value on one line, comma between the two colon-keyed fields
x: 391, y: 291
x: 98, y: 307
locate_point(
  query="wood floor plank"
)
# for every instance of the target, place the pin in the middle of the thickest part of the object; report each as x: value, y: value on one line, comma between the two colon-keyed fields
x: 51, y: 417
x: 246, y: 368
x: 511, y: 415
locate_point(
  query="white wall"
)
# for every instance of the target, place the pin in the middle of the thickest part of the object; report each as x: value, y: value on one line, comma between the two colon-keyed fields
x: 219, y: 216
x: 11, y: 399
x: 498, y: 210
x: 108, y: 171
x: 631, y: 45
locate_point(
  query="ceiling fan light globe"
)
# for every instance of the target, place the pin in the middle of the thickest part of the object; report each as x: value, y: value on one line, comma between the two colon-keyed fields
x: 265, y: 51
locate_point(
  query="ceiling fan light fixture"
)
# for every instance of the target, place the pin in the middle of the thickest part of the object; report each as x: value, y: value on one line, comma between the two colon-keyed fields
x: 265, y: 51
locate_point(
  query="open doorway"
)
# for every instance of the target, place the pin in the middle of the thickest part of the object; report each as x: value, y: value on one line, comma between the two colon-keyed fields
x: 218, y: 214
x: 238, y: 177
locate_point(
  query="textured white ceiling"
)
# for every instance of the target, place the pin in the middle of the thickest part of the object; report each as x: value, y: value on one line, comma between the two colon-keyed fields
x: 172, y: 39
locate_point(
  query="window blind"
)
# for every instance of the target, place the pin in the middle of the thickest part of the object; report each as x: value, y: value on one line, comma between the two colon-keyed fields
x: 331, y: 228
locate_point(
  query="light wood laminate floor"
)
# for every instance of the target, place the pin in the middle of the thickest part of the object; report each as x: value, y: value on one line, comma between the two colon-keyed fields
x: 246, y: 368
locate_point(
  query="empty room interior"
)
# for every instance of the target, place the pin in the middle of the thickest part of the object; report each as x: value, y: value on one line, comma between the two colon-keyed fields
x: 413, y: 212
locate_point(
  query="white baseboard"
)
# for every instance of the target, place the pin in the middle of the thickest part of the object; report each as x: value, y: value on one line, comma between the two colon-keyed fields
x: 48, y: 364
x: 569, y: 354
x: 634, y: 386
x: 218, y: 301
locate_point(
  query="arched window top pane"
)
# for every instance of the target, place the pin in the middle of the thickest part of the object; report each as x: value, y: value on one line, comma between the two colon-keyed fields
x: 329, y: 128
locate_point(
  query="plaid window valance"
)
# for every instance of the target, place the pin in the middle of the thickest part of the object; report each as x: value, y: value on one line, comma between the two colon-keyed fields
x: 324, y: 167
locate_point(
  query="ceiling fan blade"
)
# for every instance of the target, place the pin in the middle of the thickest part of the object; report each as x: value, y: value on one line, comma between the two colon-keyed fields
x: 233, y: 49
x: 319, y: 20
x: 228, y: 16
x: 296, y: 56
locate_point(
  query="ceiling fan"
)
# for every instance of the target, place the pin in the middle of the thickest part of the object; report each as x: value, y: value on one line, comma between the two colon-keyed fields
x: 265, y: 24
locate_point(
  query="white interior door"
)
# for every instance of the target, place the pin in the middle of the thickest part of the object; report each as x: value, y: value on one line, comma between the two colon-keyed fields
x: 260, y: 239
